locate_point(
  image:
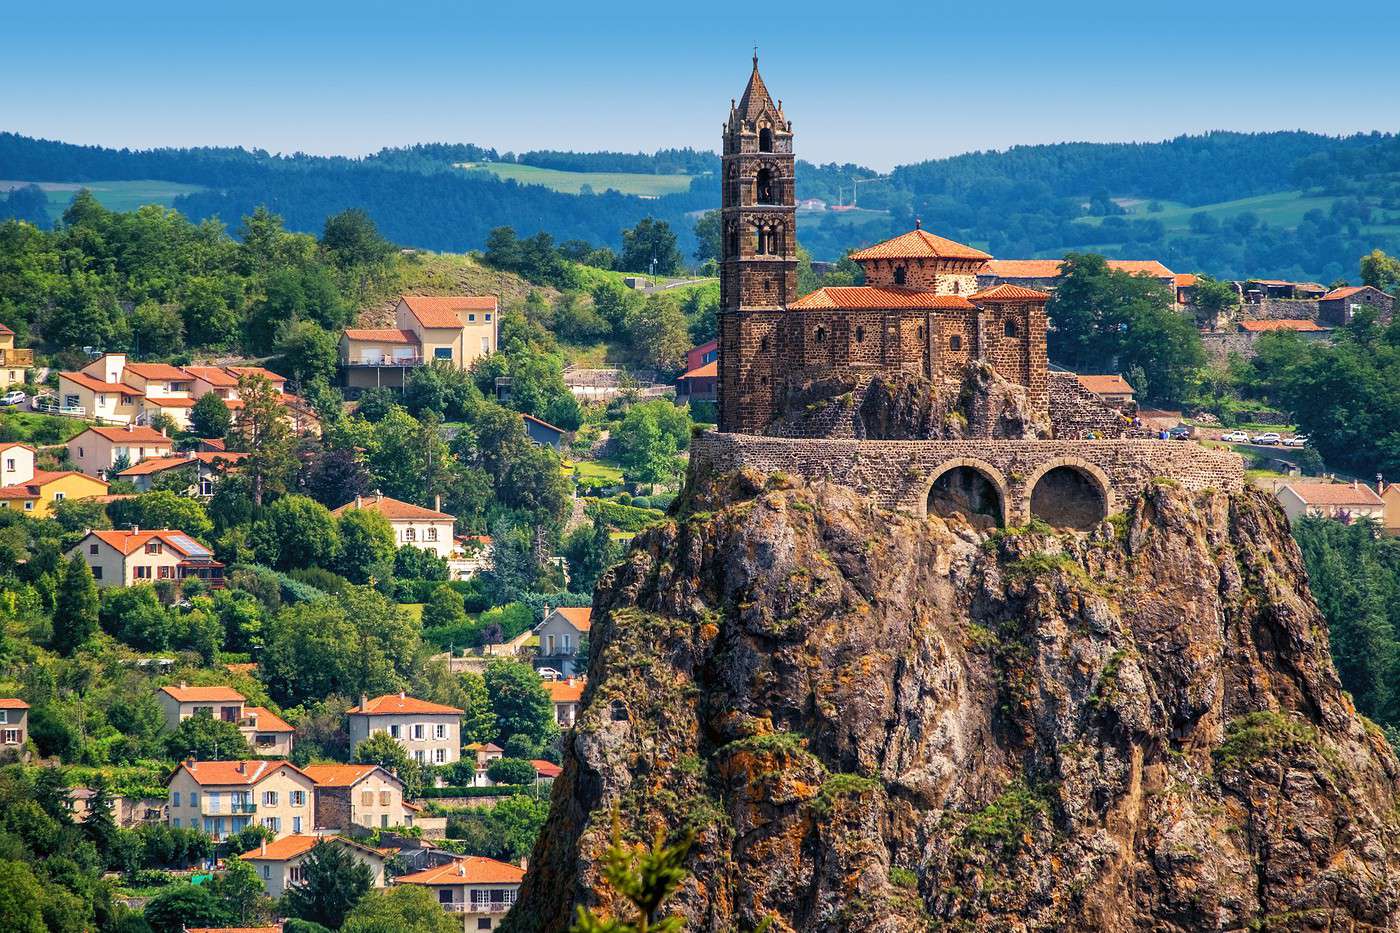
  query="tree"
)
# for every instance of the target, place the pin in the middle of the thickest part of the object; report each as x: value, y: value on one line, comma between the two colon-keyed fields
x: 381, y: 749
x: 309, y: 352
x: 21, y: 898
x: 660, y: 334
x: 162, y: 508
x: 709, y: 236
x: 1381, y: 271
x: 511, y: 771
x: 210, y: 416
x: 204, y: 738
x: 478, y: 718
x: 241, y: 892
x: 590, y: 550
x: 646, y: 878
x: 650, y: 247
x: 515, y: 823
x: 296, y: 531
x: 76, y: 607
x: 444, y: 608
x: 367, y: 546
x: 156, y: 330
x: 406, y: 908
x: 262, y: 430
x: 1212, y: 298
x: 100, y: 824
x: 352, y: 239
x: 647, y: 442
x: 334, y: 881
x: 520, y: 701
x: 181, y: 906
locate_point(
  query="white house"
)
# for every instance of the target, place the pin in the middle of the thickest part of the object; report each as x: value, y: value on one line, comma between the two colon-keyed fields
x: 429, y: 529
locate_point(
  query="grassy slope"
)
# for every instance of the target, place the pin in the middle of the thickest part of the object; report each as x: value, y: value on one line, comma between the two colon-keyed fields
x: 114, y: 195
x: 572, y: 182
x: 423, y: 273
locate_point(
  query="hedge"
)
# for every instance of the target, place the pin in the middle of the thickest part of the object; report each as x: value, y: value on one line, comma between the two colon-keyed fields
x: 500, y: 790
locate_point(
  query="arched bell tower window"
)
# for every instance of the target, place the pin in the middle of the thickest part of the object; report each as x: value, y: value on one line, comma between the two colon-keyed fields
x: 733, y: 240
x: 767, y: 190
x: 899, y: 275
x: 760, y: 241
x: 765, y: 140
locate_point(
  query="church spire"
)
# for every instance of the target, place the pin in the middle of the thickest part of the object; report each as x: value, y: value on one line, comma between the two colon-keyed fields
x: 756, y: 98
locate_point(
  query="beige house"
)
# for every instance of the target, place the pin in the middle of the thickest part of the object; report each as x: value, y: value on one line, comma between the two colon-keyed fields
x: 125, y: 558
x: 358, y: 795
x: 98, y: 449
x: 223, y: 797
x: 279, y: 863
x: 14, y: 722
x: 429, y: 529
x: 429, y: 732
x: 480, y: 889
x: 566, y: 695
x: 1113, y: 389
x: 267, y: 733
x: 16, y: 463
x: 1345, y: 502
x: 13, y: 363
x: 204, y: 468
x: 97, y: 399
x: 561, y: 633
x: 454, y: 330
x: 1390, y: 494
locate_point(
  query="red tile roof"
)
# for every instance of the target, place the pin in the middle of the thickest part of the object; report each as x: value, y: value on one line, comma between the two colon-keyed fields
x: 1008, y: 292
x: 168, y: 402
x: 1345, y: 291
x: 267, y: 374
x: 1301, y: 326
x: 1106, y: 385
x: 97, y: 385
x: 8, y: 444
x: 266, y: 720
x: 918, y: 244
x: 393, y: 509
x: 444, y: 312
x: 12, y: 703
x: 546, y: 769
x: 1050, y: 268
x: 279, y: 850
x: 159, y: 464
x: 392, y: 704
x: 335, y: 775
x: 566, y: 691
x: 1186, y: 279
x: 877, y: 298
x: 1336, y: 494
x: 580, y: 617
x: 157, y: 371
x: 381, y: 334
x: 213, y: 375
x: 138, y: 434
x: 709, y: 370
x: 34, y: 486
x: 127, y: 542
x: 5, y: 330
x: 473, y: 869
x: 221, y: 773
x: 222, y: 694
x: 542, y: 423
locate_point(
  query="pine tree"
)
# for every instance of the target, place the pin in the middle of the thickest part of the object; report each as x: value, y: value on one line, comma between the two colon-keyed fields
x: 100, y: 824
x: 75, y: 612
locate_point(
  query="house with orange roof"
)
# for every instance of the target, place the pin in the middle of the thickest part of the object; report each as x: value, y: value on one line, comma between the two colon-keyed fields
x: 356, y: 795
x: 699, y: 383
x: 126, y: 558
x: 1344, y: 502
x: 223, y: 797
x: 95, y: 397
x: 204, y: 468
x: 566, y: 695
x: 280, y: 863
x: 480, y: 889
x: 267, y: 733
x: 16, y: 463
x: 47, y: 488
x: 429, y: 529
x: 1340, y: 305
x: 455, y: 329
x: 98, y: 450
x: 1044, y: 274
x: 14, y: 722
x: 1113, y: 388
x: 13, y: 362
x: 561, y: 635
x: 430, y: 733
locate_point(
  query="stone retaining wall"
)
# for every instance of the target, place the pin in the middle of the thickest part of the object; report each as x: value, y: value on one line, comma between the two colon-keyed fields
x: 900, y: 474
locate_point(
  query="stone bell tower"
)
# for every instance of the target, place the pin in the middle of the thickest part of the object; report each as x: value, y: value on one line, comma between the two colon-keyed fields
x: 758, y: 267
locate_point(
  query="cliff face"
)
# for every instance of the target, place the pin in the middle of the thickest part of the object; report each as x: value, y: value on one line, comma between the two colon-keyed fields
x: 880, y: 722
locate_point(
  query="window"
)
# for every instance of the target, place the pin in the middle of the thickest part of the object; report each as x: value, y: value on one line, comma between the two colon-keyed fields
x: 296, y: 874
x: 483, y: 923
x: 92, y: 548
x: 444, y: 895
x: 296, y: 825
x: 394, y: 731
x: 418, y: 730
x: 442, y: 353
x: 899, y: 275
x: 439, y: 756
x: 194, y: 798
x: 175, y: 798
x: 410, y: 534
x: 298, y: 798
x: 1009, y: 328
x: 420, y: 757
x: 955, y: 342
x: 142, y: 573
x: 97, y: 573
x: 10, y: 463
x: 765, y: 140
x: 58, y: 497
x: 267, y: 871
x: 176, y: 822
x: 763, y: 345
x: 471, y: 318
x: 11, y: 736
x: 432, y: 534
x: 766, y: 190
x: 819, y: 335
x: 366, y: 798
x: 488, y: 315
x: 269, y: 798
x: 273, y: 823
x: 957, y: 287
x: 152, y: 547
x: 385, y: 797
x: 568, y: 643
x: 760, y: 241
x: 29, y: 506
x: 165, y: 573
x: 440, y: 731
x: 860, y: 334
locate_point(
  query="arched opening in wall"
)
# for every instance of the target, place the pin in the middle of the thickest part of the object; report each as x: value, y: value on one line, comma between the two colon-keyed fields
x: 900, y: 275
x: 760, y: 242
x: 1068, y: 497
x: 819, y: 335
x: 767, y: 190
x: 860, y: 334
x: 733, y: 241
x: 968, y: 492
x: 763, y: 345
x: 1009, y: 328
x: 765, y: 140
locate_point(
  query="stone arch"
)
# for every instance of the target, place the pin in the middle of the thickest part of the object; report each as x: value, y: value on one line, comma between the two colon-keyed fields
x: 766, y: 186
x: 971, y: 486
x: 1068, y: 492
x: 765, y: 139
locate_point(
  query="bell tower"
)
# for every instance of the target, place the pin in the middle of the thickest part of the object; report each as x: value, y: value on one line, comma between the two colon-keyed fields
x: 758, y: 264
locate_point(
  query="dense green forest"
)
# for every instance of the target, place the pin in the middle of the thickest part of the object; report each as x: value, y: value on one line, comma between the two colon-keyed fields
x: 1028, y: 200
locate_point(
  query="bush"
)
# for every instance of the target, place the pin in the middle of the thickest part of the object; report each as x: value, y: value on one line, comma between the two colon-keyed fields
x: 511, y: 771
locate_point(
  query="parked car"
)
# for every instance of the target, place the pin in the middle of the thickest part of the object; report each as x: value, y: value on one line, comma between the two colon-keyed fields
x: 15, y: 397
x: 1235, y: 437
x: 1298, y: 440
x: 1268, y: 437
x: 1180, y: 433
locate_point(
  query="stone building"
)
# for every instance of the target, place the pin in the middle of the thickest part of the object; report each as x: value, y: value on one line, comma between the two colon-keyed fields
x: 919, y: 313
x: 1340, y: 305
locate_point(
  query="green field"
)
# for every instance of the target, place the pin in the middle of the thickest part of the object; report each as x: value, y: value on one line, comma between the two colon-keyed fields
x: 1281, y: 209
x: 573, y: 182
x: 114, y: 195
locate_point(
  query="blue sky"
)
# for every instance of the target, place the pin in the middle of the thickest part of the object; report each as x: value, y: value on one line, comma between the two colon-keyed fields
x: 863, y: 83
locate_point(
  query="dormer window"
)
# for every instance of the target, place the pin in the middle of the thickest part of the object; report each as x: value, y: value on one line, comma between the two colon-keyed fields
x: 899, y: 275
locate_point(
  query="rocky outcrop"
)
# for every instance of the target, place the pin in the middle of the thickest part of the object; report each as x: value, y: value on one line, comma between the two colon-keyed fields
x: 905, y: 406
x: 880, y: 722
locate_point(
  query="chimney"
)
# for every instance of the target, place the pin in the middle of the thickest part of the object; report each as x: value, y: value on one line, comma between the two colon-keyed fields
x: 524, y: 863
x: 136, y: 529
x: 263, y: 848
x: 243, y: 767
x: 364, y: 700
x: 401, y: 695
x: 462, y: 869
x: 437, y: 503
x: 359, y: 501
x: 183, y: 685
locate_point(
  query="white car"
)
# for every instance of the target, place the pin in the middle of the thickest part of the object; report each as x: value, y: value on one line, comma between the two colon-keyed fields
x: 13, y: 398
x: 1268, y: 437
x: 1300, y: 440
x: 1235, y: 437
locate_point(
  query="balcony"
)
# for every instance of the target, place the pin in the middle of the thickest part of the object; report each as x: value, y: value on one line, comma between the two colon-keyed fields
x: 12, y: 357
x: 385, y: 361
x: 226, y: 807
x: 475, y: 907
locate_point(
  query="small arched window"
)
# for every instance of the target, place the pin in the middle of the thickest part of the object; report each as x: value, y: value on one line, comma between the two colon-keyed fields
x: 1009, y: 328
x: 765, y: 140
x: 760, y: 241
x: 899, y: 275
x: 763, y: 345
x: 921, y: 332
x: 955, y: 342
x: 766, y: 188
x: 957, y: 287
x: 819, y: 335
x: 860, y: 334
x: 733, y: 241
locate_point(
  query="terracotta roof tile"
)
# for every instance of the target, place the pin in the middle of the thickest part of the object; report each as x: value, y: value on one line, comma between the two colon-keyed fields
x: 473, y: 869
x: 1050, y: 268
x: 566, y: 691
x: 709, y: 370
x: 1008, y: 292
x: 444, y: 311
x: 337, y: 775
x: 138, y: 434
x: 34, y: 486
x: 546, y: 769
x: 1336, y: 494
x: 381, y: 334
x: 267, y: 374
x: 213, y: 375
x: 1299, y: 325
x: 157, y: 371
x: 393, y: 509
x: 160, y: 464
x: 221, y: 694
x: 391, y: 704
x: 581, y: 617
x: 127, y: 542
x: 233, y: 773
x: 289, y: 847
x: 1111, y: 384
x: 13, y: 703
x: 1345, y: 291
x: 876, y: 298
x: 267, y: 720
x: 918, y: 244
x: 1186, y: 279
x: 97, y: 385
x: 169, y: 402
